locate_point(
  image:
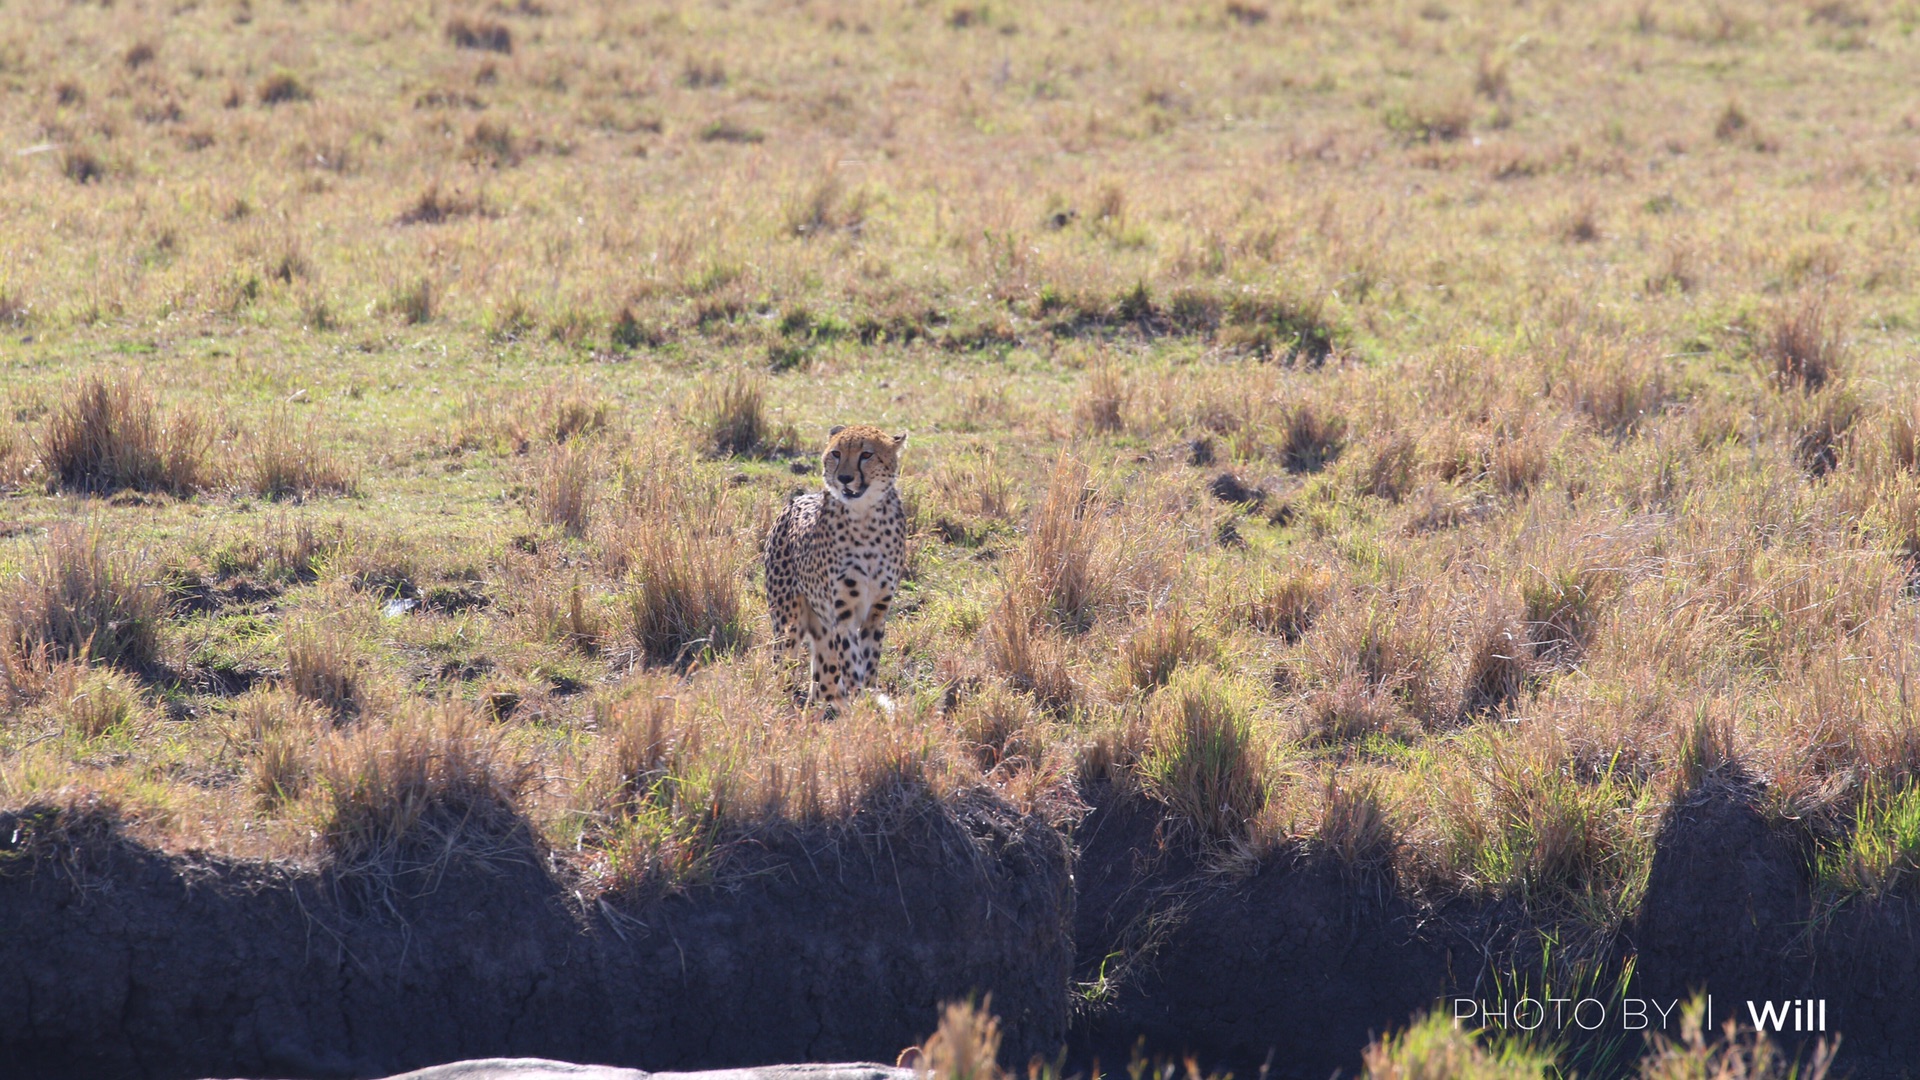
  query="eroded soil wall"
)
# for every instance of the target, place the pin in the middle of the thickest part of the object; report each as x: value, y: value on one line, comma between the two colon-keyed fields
x: 121, y: 962
x: 1299, y: 965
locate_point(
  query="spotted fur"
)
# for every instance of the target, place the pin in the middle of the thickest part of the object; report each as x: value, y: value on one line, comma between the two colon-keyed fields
x: 834, y: 558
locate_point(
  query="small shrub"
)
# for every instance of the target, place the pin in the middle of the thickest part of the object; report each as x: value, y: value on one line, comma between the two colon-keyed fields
x: 483, y: 34
x: 1201, y: 760
x: 108, y: 434
x: 80, y: 601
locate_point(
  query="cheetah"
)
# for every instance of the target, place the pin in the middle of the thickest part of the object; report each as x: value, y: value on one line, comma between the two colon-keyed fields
x: 834, y: 558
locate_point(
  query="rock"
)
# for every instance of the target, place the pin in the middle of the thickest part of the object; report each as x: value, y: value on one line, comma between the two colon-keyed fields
x: 543, y: 1069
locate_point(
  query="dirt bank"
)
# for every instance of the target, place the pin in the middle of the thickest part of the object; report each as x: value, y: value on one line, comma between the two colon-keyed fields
x: 130, y: 963
x: 123, y: 962
x: 1299, y: 964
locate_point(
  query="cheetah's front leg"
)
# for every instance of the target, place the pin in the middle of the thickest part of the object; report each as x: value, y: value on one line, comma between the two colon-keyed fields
x: 831, y: 666
x: 873, y: 630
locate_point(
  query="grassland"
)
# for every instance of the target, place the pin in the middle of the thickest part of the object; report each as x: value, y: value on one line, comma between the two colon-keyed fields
x: 1440, y: 433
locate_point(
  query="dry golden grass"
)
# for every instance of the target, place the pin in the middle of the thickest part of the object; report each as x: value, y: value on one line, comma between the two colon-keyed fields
x: 284, y: 463
x: 412, y: 787
x: 108, y: 433
x: 1563, y: 378
x: 966, y: 1045
x: 322, y: 666
x: 80, y: 599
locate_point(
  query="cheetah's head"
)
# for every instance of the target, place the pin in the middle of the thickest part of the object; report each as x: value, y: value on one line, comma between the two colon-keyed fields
x: 861, y: 462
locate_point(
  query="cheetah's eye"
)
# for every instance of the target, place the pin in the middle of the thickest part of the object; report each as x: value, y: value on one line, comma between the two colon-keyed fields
x: 865, y: 454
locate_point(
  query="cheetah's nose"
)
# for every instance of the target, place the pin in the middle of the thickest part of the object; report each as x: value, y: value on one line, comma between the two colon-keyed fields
x: 845, y: 479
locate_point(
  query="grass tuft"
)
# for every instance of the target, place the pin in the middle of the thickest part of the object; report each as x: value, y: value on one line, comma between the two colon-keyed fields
x: 81, y: 599
x: 1804, y: 347
x: 1312, y: 438
x: 1168, y: 640
x: 324, y: 666
x: 104, y: 701
x: 1201, y: 760
x: 483, y: 34
x: 966, y: 1046
x: 1435, y: 1047
x: 566, y: 486
x: 685, y: 568
x: 108, y: 433
x: 283, y: 87
x: 432, y: 782
x: 734, y: 415
x: 283, y: 463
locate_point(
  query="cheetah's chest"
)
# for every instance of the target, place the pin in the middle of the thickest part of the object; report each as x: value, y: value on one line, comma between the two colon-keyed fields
x: 867, y: 551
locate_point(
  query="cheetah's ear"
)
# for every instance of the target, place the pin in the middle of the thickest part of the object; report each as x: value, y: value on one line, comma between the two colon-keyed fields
x: 900, y: 439
x: 836, y: 429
